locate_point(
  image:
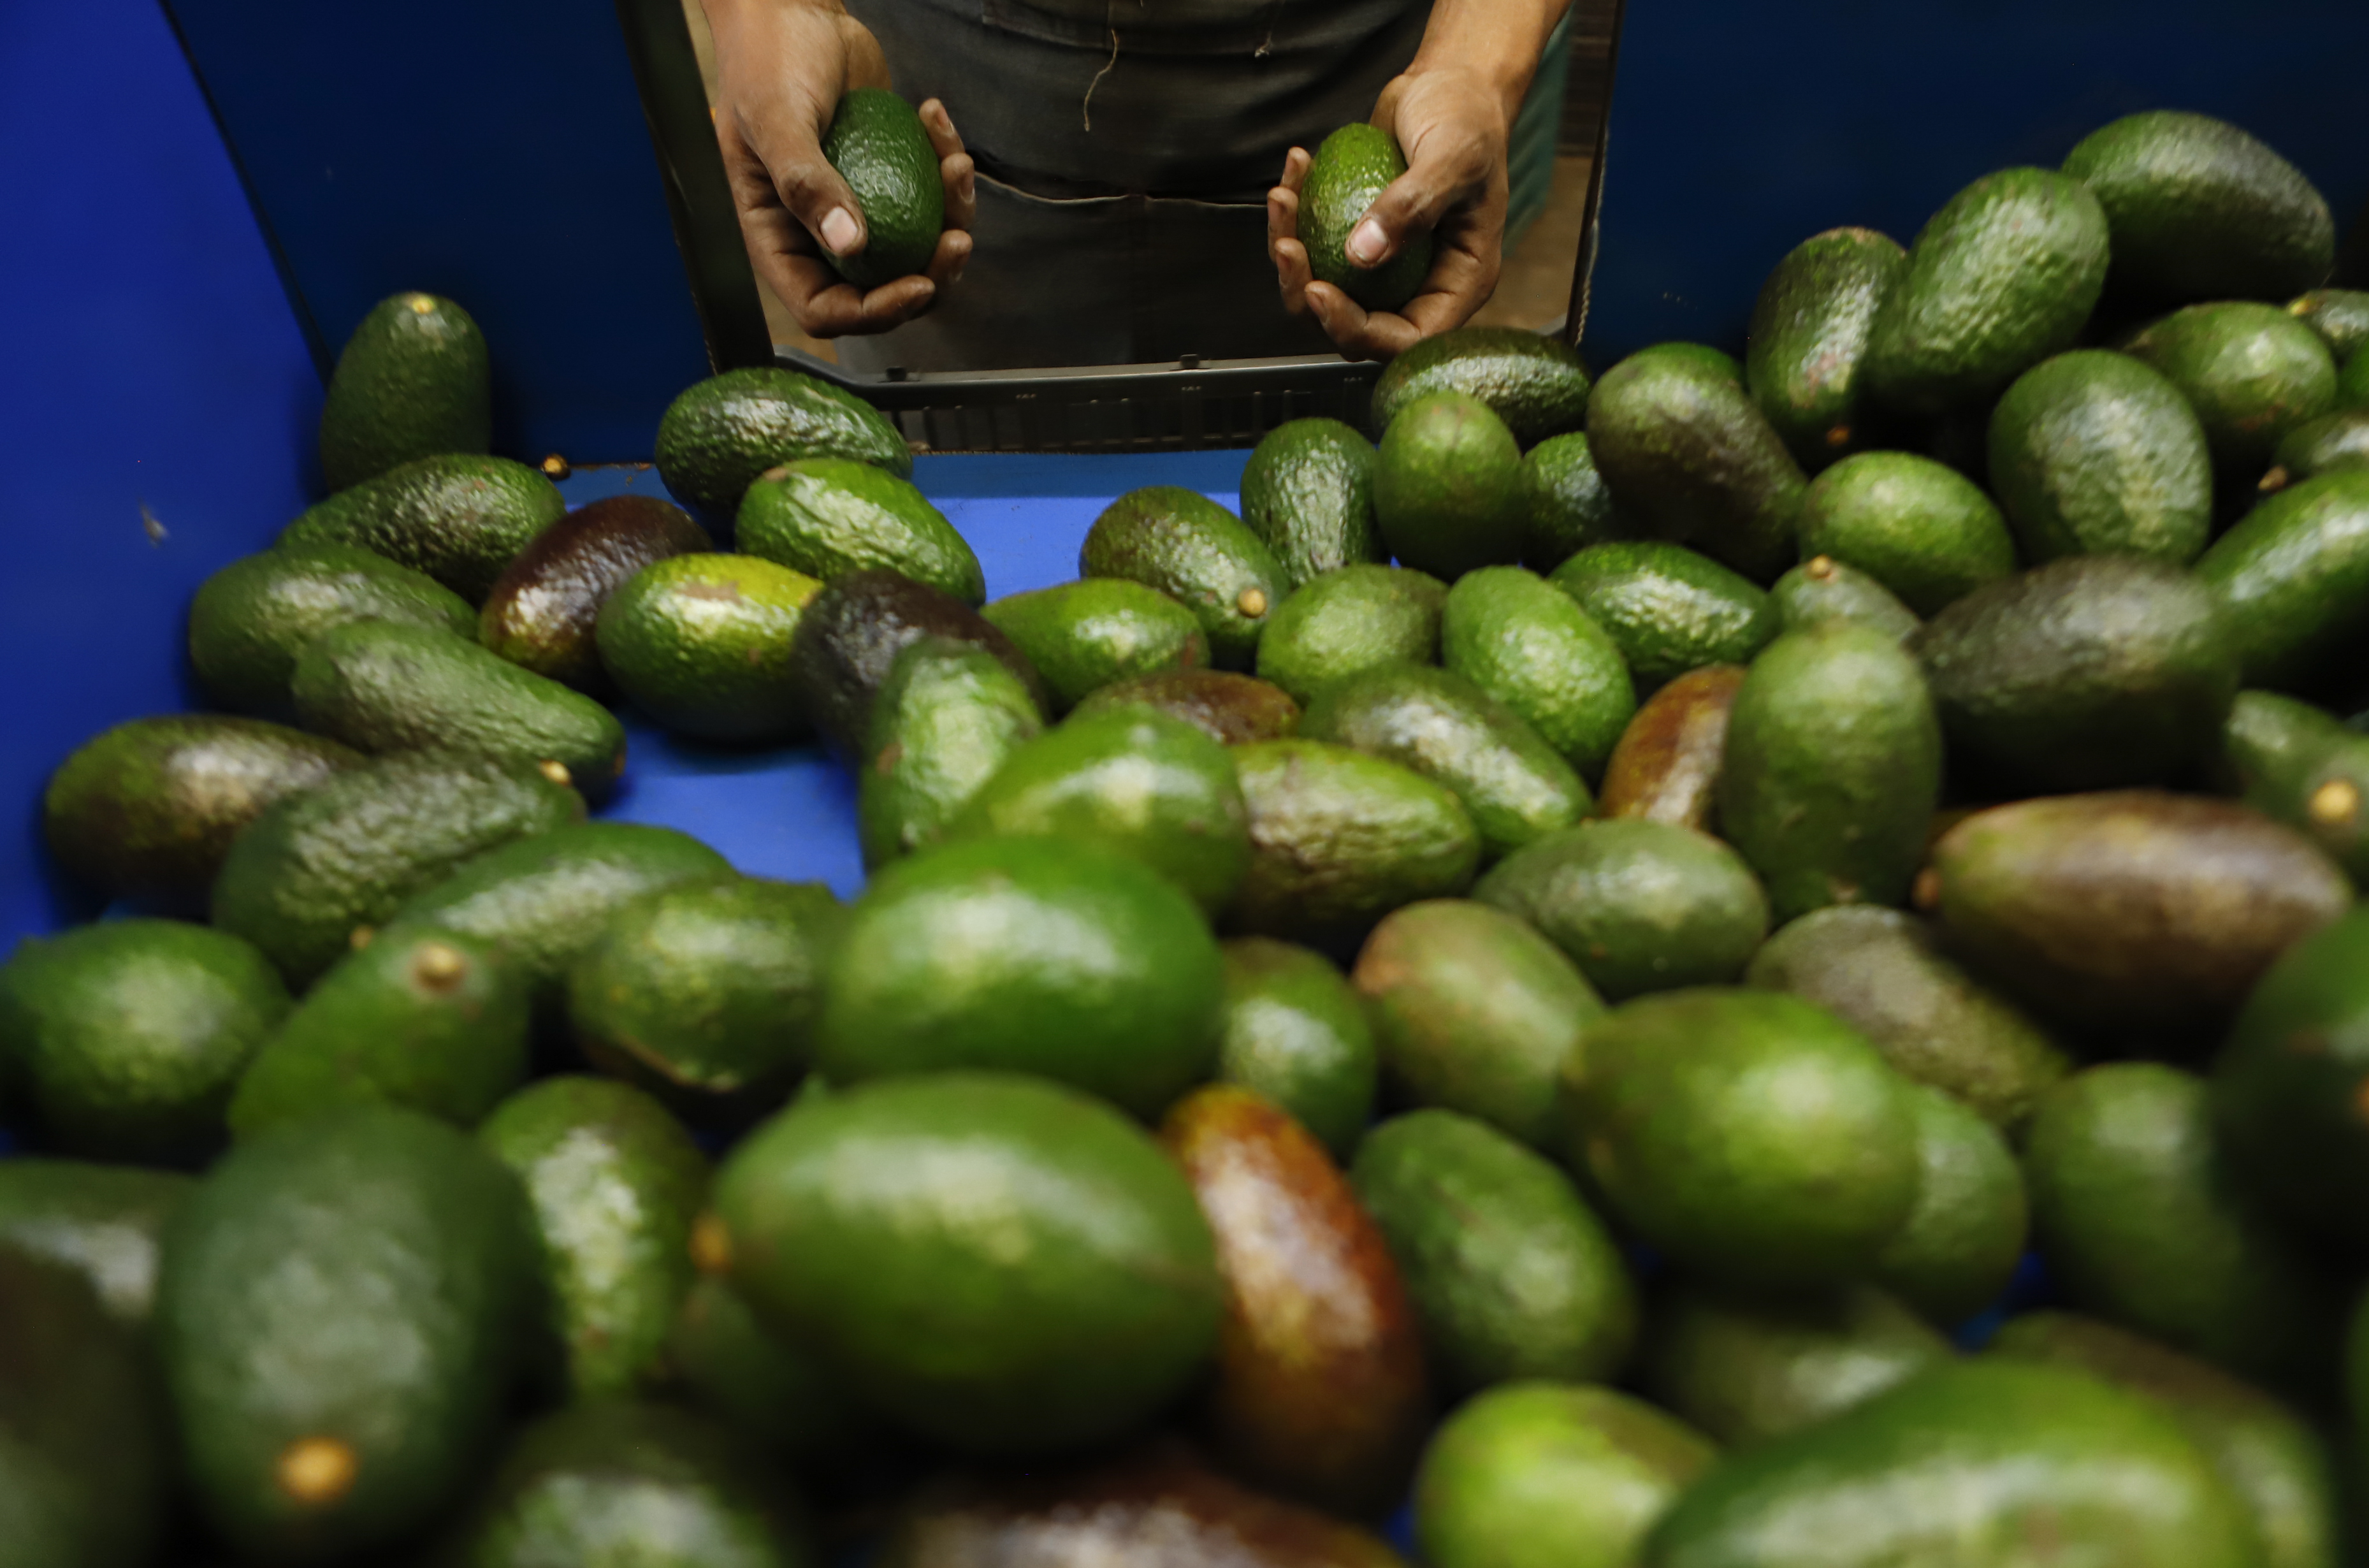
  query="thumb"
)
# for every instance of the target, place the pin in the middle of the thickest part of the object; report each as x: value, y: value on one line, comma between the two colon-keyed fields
x: 809, y: 187
x: 1411, y: 204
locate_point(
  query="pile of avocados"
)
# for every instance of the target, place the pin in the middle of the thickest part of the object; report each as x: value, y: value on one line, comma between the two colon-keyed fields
x: 1723, y: 966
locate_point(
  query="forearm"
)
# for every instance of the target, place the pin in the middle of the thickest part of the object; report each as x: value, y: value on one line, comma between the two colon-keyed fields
x: 1498, y: 40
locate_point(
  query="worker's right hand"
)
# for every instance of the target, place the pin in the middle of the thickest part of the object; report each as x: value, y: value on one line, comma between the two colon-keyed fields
x: 781, y: 67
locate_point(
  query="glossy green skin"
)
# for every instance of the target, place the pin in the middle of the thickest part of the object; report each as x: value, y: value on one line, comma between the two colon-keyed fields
x: 2095, y: 452
x: 1832, y: 769
x: 1530, y: 646
x: 2135, y: 1215
x: 2340, y: 316
x: 1639, y: 906
x: 125, y: 1038
x: 1002, y: 1265
x: 724, y: 431
x: 2252, y: 371
x: 1543, y: 1475
x: 1964, y: 1237
x: 1351, y: 168
x: 1307, y: 493
x: 2319, y: 446
x: 1689, y: 455
x: 1814, y: 1136
x: 1450, y: 493
x: 1882, y: 973
x: 1474, y: 1011
x: 545, y: 614
x: 2002, y: 276
x: 879, y: 145
x: 1031, y: 955
x: 2293, y: 575
x: 151, y: 805
x: 1917, y: 527
x: 1198, y: 553
x: 1534, y: 382
x: 2200, y: 210
x: 823, y: 516
x: 1339, y: 838
x: 1972, y: 1466
x: 392, y: 1025
x: 1140, y: 784
x: 848, y: 638
x: 381, y: 686
x: 249, y: 621
x: 102, y: 1222
x: 705, y: 994
x: 412, y: 381
x: 2352, y: 380
x: 1094, y: 631
x: 1808, y: 340
x: 1743, y: 1368
x: 311, y: 869
x: 947, y: 719
x: 359, y: 1277
x: 2298, y: 765
x: 1571, y: 507
x: 1668, y: 609
x: 1822, y: 588
x: 779, y: 1399
x: 2087, y: 673
x: 1229, y: 708
x: 1295, y: 1035
x: 462, y: 519
x: 1349, y: 621
x: 1511, y: 1274
x: 2271, y: 1462
x: 701, y: 643
x: 614, y: 1183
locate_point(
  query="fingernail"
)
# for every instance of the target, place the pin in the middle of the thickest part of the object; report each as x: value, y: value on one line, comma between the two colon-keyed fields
x: 1366, y: 243
x: 838, y: 231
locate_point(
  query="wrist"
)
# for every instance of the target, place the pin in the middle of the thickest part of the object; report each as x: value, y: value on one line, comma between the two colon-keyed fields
x: 1495, y: 44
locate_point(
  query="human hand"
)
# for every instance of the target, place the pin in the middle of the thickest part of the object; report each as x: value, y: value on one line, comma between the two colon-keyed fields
x: 781, y: 67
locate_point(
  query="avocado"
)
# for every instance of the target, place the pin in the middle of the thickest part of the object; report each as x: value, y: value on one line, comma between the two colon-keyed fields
x: 1352, y: 168
x: 1474, y: 1011
x: 338, y: 1316
x: 151, y: 805
x: 1197, y: 553
x: 1294, y: 1033
x: 102, y: 1222
x: 1229, y: 708
x: 1349, y: 621
x: 2252, y: 371
x: 1639, y: 906
x: 1668, y: 609
x: 1821, y: 590
x: 1513, y: 1275
x: 1530, y: 648
x: 1142, y: 784
x: 1000, y: 1264
x: 1665, y: 766
x: 2095, y: 452
x: 1307, y: 493
x: 2297, y: 765
x: 724, y: 431
x: 1094, y: 631
x: 2200, y: 210
x: 1917, y: 527
x: 2292, y: 576
x: 250, y: 620
x: 1808, y: 341
x: 879, y: 145
x: 2352, y: 380
x: 1450, y: 493
x: 947, y: 718
x: 704, y: 644
x: 125, y: 1039
x: 824, y: 516
x: 1571, y: 507
x: 312, y: 871
x: 2319, y: 446
x: 1689, y: 455
x: 412, y: 381
x: 543, y: 614
x: 782, y: 1401
x: 1533, y: 381
x: 850, y: 636
x: 1031, y: 955
x: 461, y: 520
x: 1319, y: 1390
x: 1965, y: 1233
x: 2340, y: 316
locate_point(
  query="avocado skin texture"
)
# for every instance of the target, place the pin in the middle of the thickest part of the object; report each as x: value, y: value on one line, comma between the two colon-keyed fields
x: 1227, y: 707
x: 2002, y: 276
x: 100, y: 1221
x: 412, y: 381
x: 1665, y: 766
x: 724, y: 431
x: 1512, y: 1273
x: 2292, y: 576
x: 85, y: 1466
x: 946, y: 722
x: 461, y: 520
x: 2298, y: 765
x: 1551, y: 1475
x: 126, y: 1038
x: 1450, y: 493
x: 2352, y: 380
x: 878, y: 1224
x: 2095, y: 452
x: 1689, y: 454
x: 704, y: 643
x: 879, y: 145
x: 1969, y: 1463
x: 250, y: 620
x: 1536, y: 383
x: 309, y: 871
x: 1307, y: 493
x: 151, y: 805
x: 292, y: 1276
x: 824, y: 516
x: 1965, y: 1233
x: 1349, y: 621
x: 1531, y: 647
x: 851, y: 634
x: 1918, y: 527
x: 2340, y: 316
x: 1667, y: 608
x: 780, y: 1399
x: 1571, y: 507
x: 1295, y: 1035
x: 2252, y: 373
x: 544, y: 613
x: 1350, y: 169
x: 2200, y: 209
x: 1823, y: 590
x: 1197, y: 553
x: 2320, y: 446
x: 1808, y: 340
x: 1086, y: 634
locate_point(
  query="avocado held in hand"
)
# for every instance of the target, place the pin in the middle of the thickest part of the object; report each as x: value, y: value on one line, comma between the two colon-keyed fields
x: 879, y: 145
x: 1349, y: 169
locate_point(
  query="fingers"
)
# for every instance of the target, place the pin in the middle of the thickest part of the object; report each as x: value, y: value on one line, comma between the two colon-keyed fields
x: 1413, y: 203
x: 956, y: 171
x: 842, y: 311
x: 1291, y: 274
x: 946, y: 262
x: 1358, y: 332
x: 1295, y: 169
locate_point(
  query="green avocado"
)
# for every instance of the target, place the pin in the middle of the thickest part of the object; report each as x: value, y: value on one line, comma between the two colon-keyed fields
x: 2293, y: 577
x: 701, y: 643
x: 412, y: 381
x: 103, y: 1222
x: 545, y: 614
x: 1450, y: 493
x: 1229, y: 708
x: 2319, y: 446
x: 2352, y: 380
x: 1808, y: 341
x: 2340, y: 316
x: 1965, y: 1235
x: 2095, y: 452
x: 2252, y: 371
x: 1295, y: 1035
x: 1533, y: 381
x: 2297, y: 765
x: 823, y: 516
x: 724, y: 431
x: 1917, y: 527
x: 1668, y: 609
x: 1349, y: 621
x: 848, y: 638
x: 880, y: 146
x: 1531, y: 647
x: 461, y: 520
x: 249, y: 621
x: 1096, y: 632
x: 1821, y: 590
x: 1352, y: 168
x: 781, y: 1400
x: 1571, y: 507
x: 1197, y: 553
x: 1307, y: 493
x: 946, y: 720
x: 1665, y: 766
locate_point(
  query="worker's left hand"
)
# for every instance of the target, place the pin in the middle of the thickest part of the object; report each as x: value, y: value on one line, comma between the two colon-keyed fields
x: 1452, y: 124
